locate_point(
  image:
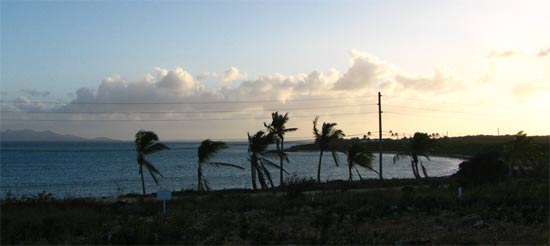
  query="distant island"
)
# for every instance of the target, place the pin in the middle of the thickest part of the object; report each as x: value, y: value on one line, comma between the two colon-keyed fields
x: 30, y: 135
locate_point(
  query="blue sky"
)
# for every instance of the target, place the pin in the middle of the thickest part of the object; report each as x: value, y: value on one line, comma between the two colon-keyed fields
x: 61, y: 46
x: 70, y: 44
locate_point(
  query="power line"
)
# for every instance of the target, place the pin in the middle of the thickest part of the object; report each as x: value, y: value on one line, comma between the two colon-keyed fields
x: 192, y: 119
x: 183, y: 112
x: 432, y: 117
x: 190, y: 102
x: 133, y: 150
x: 432, y: 110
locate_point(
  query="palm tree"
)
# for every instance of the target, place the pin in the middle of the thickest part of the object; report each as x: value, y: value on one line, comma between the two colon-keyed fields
x: 146, y: 143
x: 419, y: 146
x: 521, y: 152
x: 359, y: 155
x: 278, y: 128
x: 258, y: 154
x: 325, y: 140
x: 206, y: 150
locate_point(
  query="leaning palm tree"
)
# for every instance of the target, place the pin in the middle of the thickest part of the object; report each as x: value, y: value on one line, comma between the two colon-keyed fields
x: 146, y: 143
x: 278, y: 128
x: 419, y: 146
x: 258, y: 156
x: 359, y: 155
x: 325, y: 140
x: 206, y: 150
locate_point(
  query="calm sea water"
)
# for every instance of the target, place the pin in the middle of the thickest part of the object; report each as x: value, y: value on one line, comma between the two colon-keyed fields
x: 93, y: 169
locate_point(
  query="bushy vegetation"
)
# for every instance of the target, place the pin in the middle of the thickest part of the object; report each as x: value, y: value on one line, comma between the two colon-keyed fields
x: 514, y: 211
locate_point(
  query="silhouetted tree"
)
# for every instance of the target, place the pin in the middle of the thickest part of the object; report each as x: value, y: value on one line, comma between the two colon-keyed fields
x: 359, y: 155
x: 325, y: 140
x: 278, y: 129
x: 146, y: 143
x: 521, y: 152
x: 419, y: 145
x: 481, y: 168
x: 258, y: 156
x: 206, y: 150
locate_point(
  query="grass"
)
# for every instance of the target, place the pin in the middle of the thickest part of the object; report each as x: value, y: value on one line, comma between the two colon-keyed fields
x: 363, y: 212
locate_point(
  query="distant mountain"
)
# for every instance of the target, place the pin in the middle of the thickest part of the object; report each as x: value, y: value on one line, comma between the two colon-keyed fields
x: 30, y: 135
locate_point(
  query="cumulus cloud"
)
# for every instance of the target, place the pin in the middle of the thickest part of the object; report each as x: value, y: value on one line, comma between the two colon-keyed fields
x: 365, y: 71
x: 504, y: 53
x: 544, y: 52
x: 230, y: 75
x: 24, y: 104
x: 35, y: 93
x: 177, y: 85
x: 368, y: 71
x: 177, y: 80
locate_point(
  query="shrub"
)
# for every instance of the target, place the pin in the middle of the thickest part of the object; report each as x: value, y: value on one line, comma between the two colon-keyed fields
x: 482, y: 168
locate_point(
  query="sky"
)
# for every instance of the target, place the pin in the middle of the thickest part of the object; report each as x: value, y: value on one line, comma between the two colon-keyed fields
x: 191, y: 70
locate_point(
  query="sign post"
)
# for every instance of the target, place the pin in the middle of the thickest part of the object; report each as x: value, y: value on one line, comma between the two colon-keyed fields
x: 164, y: 196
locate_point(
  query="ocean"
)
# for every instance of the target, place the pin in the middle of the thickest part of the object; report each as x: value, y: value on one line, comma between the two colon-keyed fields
x: 97, y: 169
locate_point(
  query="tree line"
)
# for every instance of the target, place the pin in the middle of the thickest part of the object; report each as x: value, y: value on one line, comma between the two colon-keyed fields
x: 326, y: 137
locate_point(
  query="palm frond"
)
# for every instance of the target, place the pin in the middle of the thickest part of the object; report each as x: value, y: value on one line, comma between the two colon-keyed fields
x: 206, y: 184
x: 144, y: 138
x: 154, y: 147
x: 424, y: 170
x: 291, y: 129
x: 372, y: 169
x: 208, y: 148
x: 275, y: 154
x: 267, y: 175
x: 261, y: 177
x: 335, y: 157
x: 271, y: 164
x: 358, y: 174
x: 218, y: 164
x: 151, y: 167
x: 316, y: 132
x: 398, y: 156
x: 425, y: 156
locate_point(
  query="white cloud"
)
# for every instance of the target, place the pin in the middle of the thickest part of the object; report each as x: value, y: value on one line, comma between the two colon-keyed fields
x: 365, y: 71
x: 230, y: 75
x: 366, y: 75
x: 178, y: 80
x: 35, y: 93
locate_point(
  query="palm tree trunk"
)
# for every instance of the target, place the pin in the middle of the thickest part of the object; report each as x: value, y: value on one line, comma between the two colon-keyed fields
x: 253, y: 163
x: 281, y: 161
x: 142, y: 180
x: 199, y: 178
x: 424, y: 170
x: 350, y: 175
x: 414, y: 167
x: 319, y: 167
x: 415, y: 162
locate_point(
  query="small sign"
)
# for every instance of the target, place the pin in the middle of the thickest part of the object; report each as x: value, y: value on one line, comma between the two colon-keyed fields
x: 164, y: 195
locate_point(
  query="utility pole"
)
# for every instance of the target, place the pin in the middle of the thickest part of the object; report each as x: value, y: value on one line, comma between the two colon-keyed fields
x: 380, y: 133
